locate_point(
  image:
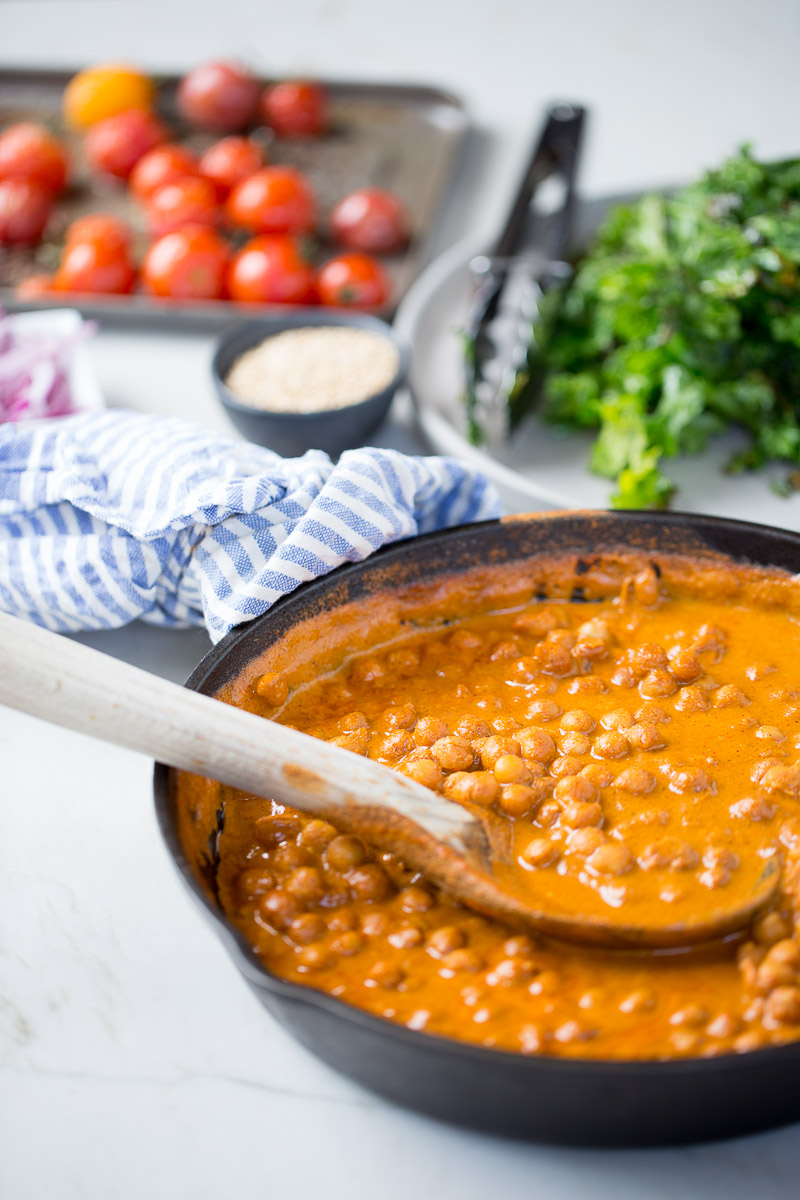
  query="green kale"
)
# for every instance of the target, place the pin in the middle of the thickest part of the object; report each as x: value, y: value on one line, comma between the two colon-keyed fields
x: 682, y: 319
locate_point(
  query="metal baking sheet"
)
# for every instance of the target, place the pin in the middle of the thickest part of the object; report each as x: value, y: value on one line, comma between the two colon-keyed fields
x: 402, y: 137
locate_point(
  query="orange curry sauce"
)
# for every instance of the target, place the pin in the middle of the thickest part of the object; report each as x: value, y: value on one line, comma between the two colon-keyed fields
x: 643, y: 744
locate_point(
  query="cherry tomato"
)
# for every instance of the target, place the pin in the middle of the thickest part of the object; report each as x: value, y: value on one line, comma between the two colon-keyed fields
x: 35, y: 287
x: 94, y: 267
x: 370, y: 219
x: 228, y: 162
x: 24, y: 209
x: 187, y: 264
x: 187, y: 201
x: 115, y: 145
x: 274, y: 200
x: 99, y: 227
x: 219, y: 96
x: 160, y: 166
x: 353, y: 281
x: 29, y: 152
x: 295, y: 108
x: 272, y: 269
x: 100, y: 92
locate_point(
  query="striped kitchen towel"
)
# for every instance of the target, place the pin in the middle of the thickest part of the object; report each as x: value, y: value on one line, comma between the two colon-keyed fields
x: 113, y: 516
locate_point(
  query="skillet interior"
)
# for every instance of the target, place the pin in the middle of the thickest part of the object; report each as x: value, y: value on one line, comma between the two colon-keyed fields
x: 601, y: 1103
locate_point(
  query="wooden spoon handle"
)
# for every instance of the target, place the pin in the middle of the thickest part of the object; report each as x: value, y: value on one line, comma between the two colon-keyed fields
x: 68, y: 684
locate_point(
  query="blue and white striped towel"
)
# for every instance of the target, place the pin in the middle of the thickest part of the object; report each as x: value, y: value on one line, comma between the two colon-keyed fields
x: 112, y: 516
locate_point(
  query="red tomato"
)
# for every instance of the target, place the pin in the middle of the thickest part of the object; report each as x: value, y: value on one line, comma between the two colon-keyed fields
x: 187, y: 264
x: 353, y: 281
x: 115, y: 145
x: 94, y: 267
x: 160, y: 166
x: 187, y: 201
x: 102, y: 228
x: 228, y: 162
x: 370, y: 219
x: 272, y: 269
x: 24, y: 209
x: 35, y: 287
x: 274, y: 200
x: 295, y: 108
x: 29, y: 152
x: 219, y: 96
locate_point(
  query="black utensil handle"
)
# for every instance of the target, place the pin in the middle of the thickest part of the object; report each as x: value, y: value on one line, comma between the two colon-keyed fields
x: 555, y: 153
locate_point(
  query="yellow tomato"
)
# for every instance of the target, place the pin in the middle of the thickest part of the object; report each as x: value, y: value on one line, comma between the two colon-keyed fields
x: 104, y: 90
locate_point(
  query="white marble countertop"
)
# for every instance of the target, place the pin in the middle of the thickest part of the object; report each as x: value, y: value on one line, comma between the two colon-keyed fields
x: 134, y: 1062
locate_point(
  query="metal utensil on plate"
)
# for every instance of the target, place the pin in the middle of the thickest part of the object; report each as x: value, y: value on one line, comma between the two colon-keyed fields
x: 526, y: 259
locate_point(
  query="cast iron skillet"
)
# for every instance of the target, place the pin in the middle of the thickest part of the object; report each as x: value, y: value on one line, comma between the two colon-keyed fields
x: 589, y: 1103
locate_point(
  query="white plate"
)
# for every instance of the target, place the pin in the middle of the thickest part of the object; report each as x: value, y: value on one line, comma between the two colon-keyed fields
x: 537, y: 468
x: 61, y: 322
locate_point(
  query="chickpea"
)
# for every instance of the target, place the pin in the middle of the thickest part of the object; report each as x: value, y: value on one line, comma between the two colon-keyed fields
x: 403, y: 662
x: 254, y: 881
x: 561, y: 637
x: 714, y: 877
x: 505, y: 725
x: 645, y: 588
x: 351, y: 722
x: 493, y: 748
x: 525, y: 669
x: 730, y: 696
x: 288, y: 857
x: 531, y: 1039
x: 387, y: 975
x: 651, y: 714
x: 306, y: 928
x: 316, y: 834
x: 277, y: 830
x: 472, y: 787
x: 516, y: 799
x: 424, y: 771
x: 344, y: 852
x: 543, y: 710
x: 575, y: 743
x: 623, y: 677
x: 613, y: 858
x: 272, y: 688
x: 770, y: 733
x: 548, y: 814
x: 577, y: 720
x: 752, y: 808
x: 503, y: 649
x: 370, y: 882
x: 597, y: 773
x: 684, y: 779
x: 782, y: 778
x: 710, y: 638
x: 785, y: 951
x: 753, y: 1039
x: 771, y: 928
x: 429, y: 730
x: 466, y: 639
x: 585, y: 839
x: 783, y: 1005
x: 374, y: 924
x: 356, y: 741
x: 725, y: 1025
x: 598, y: 628
x: 553, y: 659
x: 314, y: 957
x: 692, y: 1016
x: 510, y: 768
x: 463, y: 960
x: 635, y: 780
x: 574, y: 789
x: 589, y: 649
x: 537, y: 624
x: 545, y: 984
x: 305, y: 884
x: 445, y: 939
x: 367, y: 670
x: 648, y: 657
x: 342, y: 920
x: 348, y: 943
x: 670, y: 853
x: 759, y: 670
x: 684, y: 667
x: 567, y: 764
x: 536, y: 744
x: 572, y: 1031
x: 774, y: 974
x: 763, y: 765
x: 471, y: 728
x: 278, y: 908
x: 721, y: 856
x: 576, y: 815
x: 611, y: 745
x: 399, y: 716
x: 686, y: 1041
x: 511, y: 970
x: 415, y: 899
x: 540, y: 852
x: 406, y: 938
x: 453, y: 754
x: 395, y: 745
x: 640, y: 1001
x: 657, y: 683
x: 618, y: 720
x: 692, y: 699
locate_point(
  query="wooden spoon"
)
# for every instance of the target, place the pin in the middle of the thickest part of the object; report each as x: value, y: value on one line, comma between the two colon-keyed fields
x: 68, y: 684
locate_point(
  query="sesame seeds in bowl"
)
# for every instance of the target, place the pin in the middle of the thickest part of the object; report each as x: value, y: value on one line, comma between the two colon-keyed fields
x: 309, y: 380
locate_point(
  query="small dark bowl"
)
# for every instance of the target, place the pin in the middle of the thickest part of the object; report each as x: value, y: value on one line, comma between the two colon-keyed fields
x: 332, y: 430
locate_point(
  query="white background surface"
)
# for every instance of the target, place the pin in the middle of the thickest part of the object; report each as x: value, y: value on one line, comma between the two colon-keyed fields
x: 133, y: 1061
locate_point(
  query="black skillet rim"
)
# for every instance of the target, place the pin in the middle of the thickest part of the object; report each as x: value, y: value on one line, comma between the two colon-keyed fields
x: 258, y: 975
